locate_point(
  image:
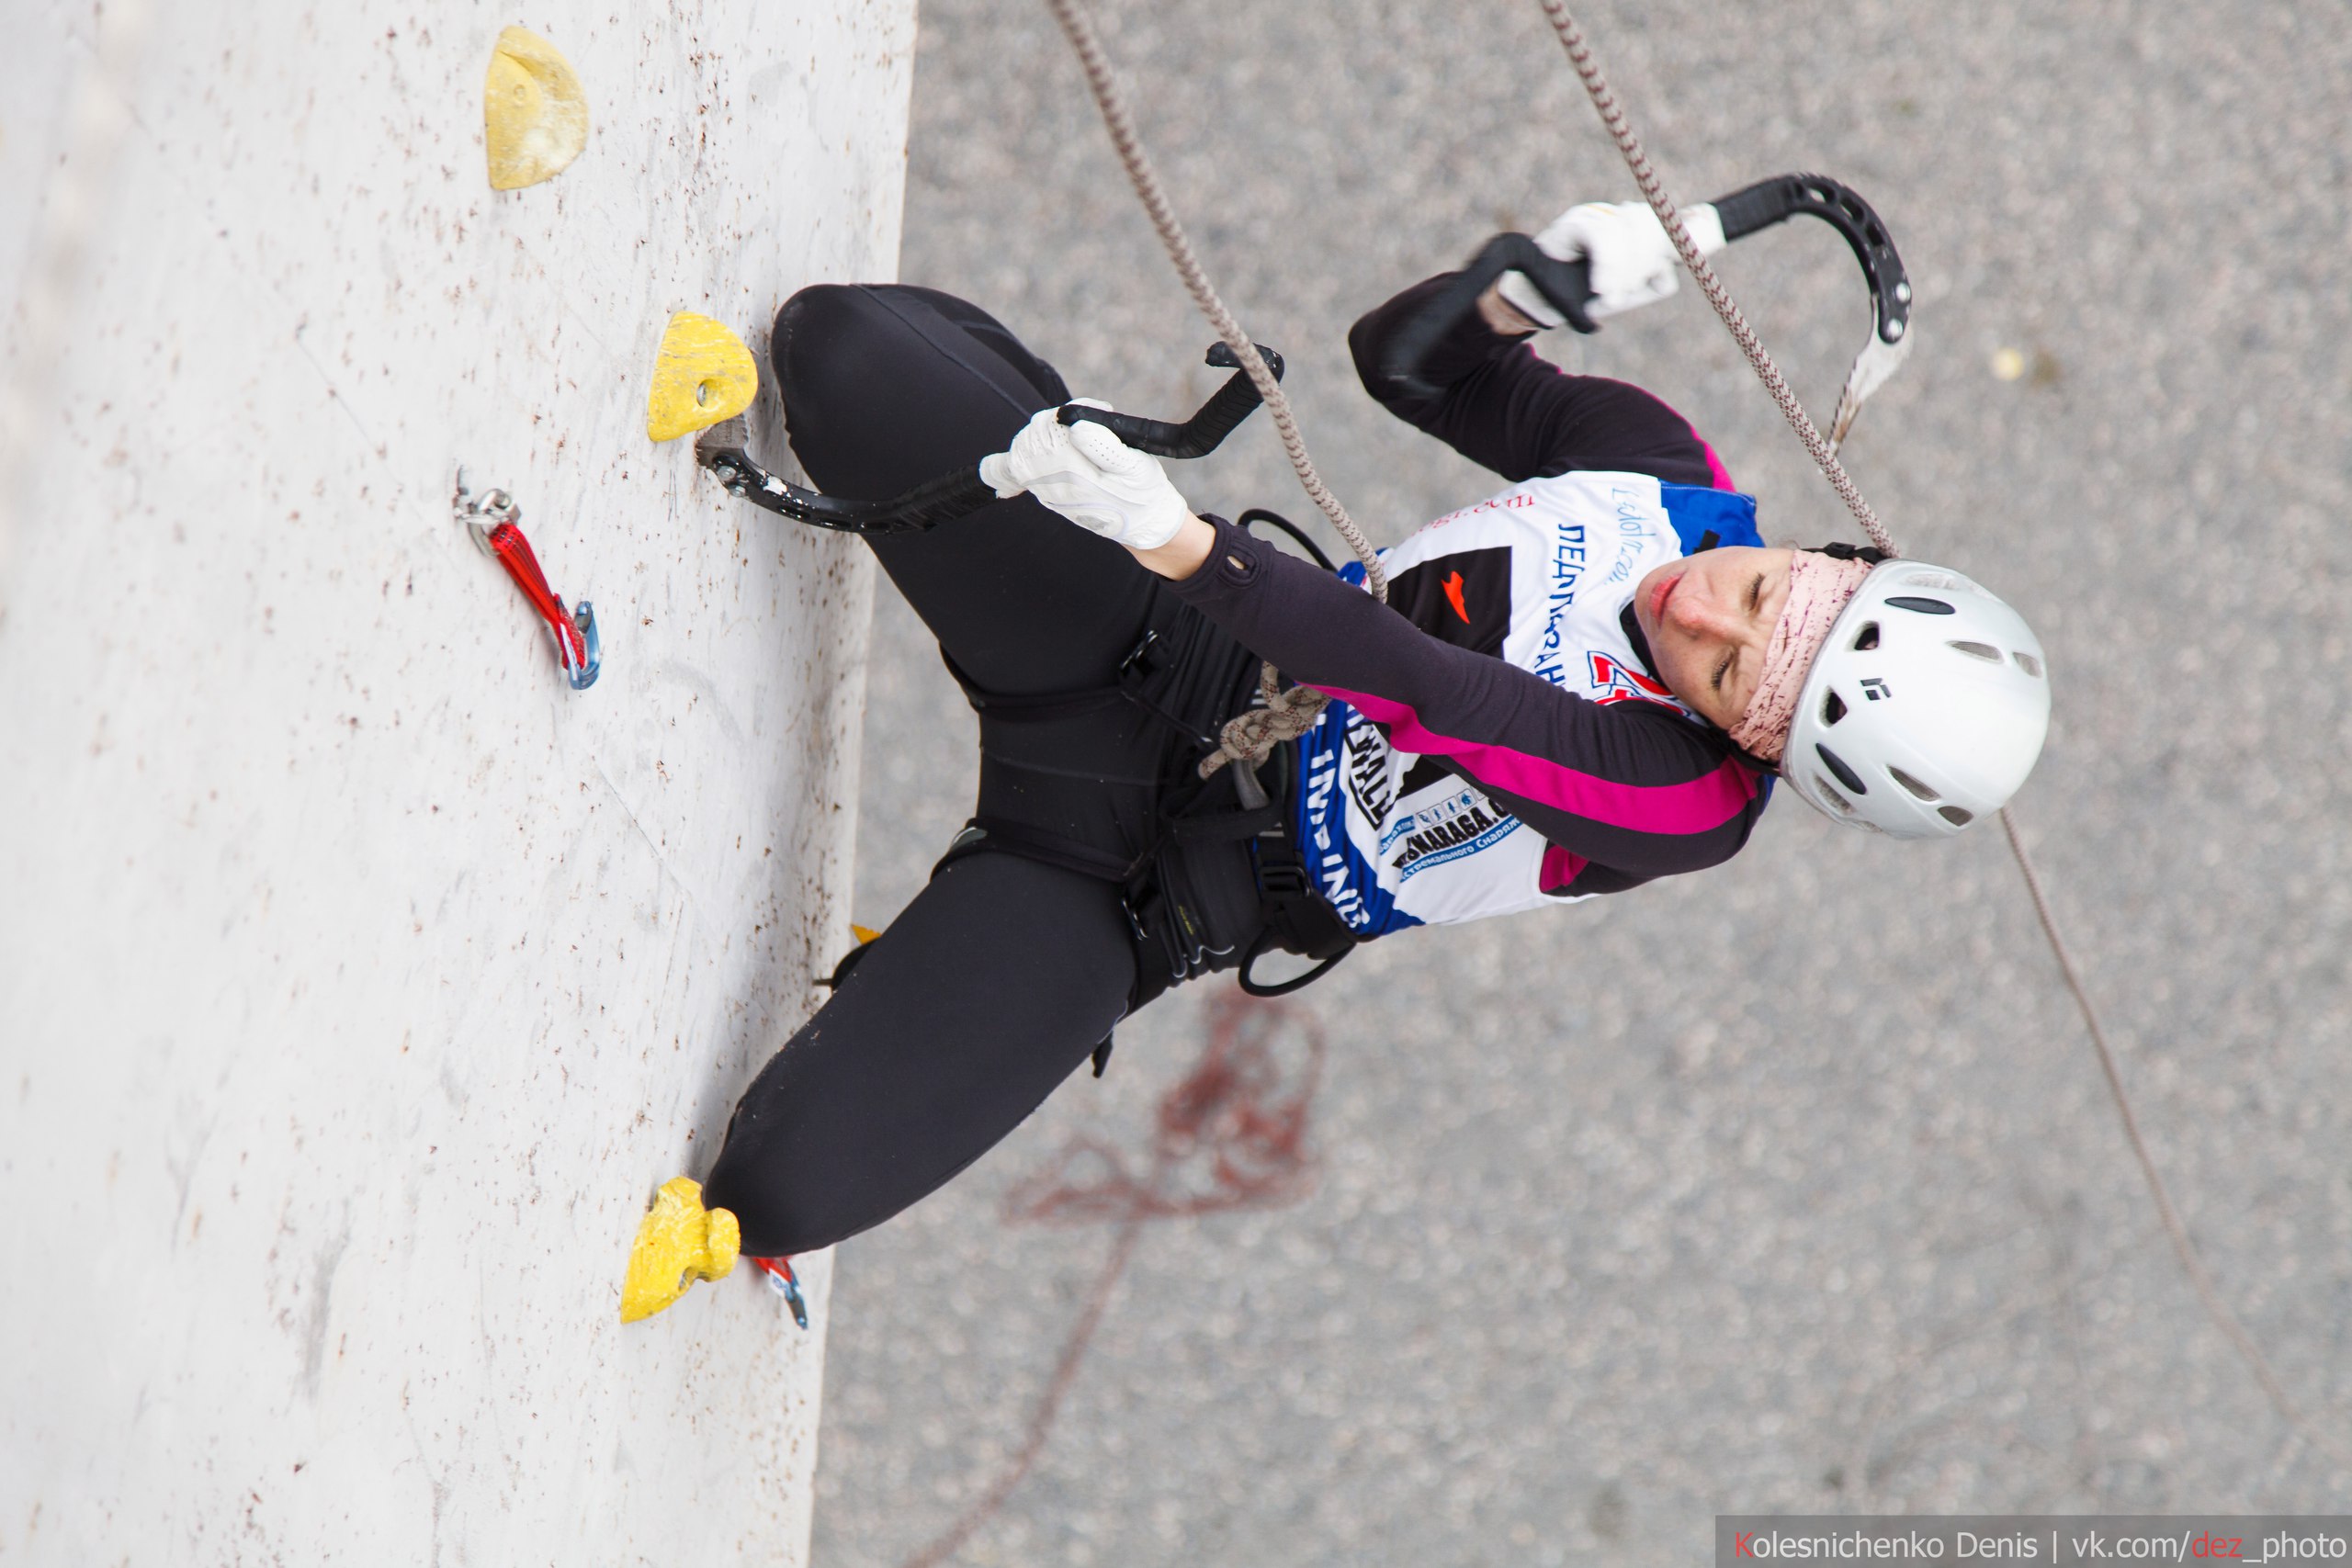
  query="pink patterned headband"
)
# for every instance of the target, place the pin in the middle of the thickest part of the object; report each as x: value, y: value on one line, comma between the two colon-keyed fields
x: 1819, y: 587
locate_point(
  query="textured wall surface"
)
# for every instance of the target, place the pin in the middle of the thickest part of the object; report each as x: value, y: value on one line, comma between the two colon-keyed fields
x: 359, y: 981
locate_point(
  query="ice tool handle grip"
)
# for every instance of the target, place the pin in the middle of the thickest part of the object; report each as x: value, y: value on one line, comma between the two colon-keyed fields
x: 1210, y: 422
x: 1567, y: 285
x: 954, y: 495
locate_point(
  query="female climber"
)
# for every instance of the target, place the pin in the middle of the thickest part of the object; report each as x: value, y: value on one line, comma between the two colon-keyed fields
x: 1584, y: 682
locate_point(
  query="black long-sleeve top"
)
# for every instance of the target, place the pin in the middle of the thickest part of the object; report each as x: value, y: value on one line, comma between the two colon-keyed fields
x: 1627, y: 791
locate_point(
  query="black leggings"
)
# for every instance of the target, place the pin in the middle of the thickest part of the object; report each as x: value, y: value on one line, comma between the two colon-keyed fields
x: 1004, y: 973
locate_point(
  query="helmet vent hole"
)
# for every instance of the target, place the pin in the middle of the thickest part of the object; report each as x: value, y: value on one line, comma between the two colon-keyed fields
x: 1922, y: 606
x: 2029, y: 663
x: 1914, y: 785
x: 1867, y: 639
x: 1845, y: 775
x: 1833, y: 708
x: 1955, y: 815
x: 1831, y: 796
x: 1984, y: 650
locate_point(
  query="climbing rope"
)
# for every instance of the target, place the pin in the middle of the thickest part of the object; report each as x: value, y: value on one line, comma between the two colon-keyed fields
x: 1612, y: 116
x: 2190, y: 1262
x: 1621, y: 131
x: 1251, y: 737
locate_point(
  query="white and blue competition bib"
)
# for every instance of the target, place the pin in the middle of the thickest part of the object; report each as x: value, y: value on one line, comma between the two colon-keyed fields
x: 1540, y: 576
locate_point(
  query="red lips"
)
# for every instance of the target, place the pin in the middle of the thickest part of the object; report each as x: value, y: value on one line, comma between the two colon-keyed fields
x: 1660, y: 595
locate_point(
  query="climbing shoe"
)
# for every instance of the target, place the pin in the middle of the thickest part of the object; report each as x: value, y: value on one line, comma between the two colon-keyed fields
x: 678, y: 1242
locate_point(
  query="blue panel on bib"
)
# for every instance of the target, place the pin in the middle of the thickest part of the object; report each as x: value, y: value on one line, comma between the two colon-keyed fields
x: 1348, y: 882
x: 1695, y: 512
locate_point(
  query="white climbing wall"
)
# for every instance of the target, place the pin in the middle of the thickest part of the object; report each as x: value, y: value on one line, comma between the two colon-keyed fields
x: 358, y: 980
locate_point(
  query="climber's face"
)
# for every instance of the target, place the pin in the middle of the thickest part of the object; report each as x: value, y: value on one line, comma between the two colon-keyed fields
x: 1709, y: 618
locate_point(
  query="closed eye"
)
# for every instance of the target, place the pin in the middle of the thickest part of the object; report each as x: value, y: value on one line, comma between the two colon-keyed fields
x: 1722, y: 668
x: 1755, y: 595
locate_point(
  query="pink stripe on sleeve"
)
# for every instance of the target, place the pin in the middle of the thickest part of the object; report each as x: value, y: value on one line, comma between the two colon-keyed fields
x: 1699, y: 805
x: 1718, y: 476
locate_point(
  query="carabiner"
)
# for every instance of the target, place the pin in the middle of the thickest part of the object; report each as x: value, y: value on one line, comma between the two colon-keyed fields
x: 492, y: 521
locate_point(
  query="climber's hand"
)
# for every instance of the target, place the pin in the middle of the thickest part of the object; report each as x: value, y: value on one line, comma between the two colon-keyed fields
x: 1090, y: 477
x: 1633, y: 264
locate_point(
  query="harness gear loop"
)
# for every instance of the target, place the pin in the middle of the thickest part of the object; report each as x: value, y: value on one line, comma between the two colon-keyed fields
x: 1249, y: 738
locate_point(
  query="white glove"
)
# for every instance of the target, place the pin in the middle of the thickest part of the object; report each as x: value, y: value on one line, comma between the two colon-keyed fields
x: 1090, y: 477
x: 1633, y: 264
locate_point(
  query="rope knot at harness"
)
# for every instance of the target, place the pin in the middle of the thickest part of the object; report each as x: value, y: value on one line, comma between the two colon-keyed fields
x: 1251, y: 737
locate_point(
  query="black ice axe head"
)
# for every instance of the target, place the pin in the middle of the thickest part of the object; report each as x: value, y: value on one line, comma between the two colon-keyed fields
x: 1568, y: 284
x: 1768, y: 202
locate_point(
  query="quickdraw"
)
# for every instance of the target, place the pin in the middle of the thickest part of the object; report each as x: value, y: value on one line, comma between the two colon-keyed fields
x: 492, y: 521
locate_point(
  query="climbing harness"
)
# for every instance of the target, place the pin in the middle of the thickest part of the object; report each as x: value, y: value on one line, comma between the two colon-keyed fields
x: 492, y: 523
x: 1180, y: 927
x: 1165, y: 924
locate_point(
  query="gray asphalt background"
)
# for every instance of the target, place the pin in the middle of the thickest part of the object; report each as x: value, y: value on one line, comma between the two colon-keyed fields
x: 1792, y: 1185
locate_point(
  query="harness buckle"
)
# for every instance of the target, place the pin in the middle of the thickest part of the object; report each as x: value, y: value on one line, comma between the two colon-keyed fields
x: 1142, y: 661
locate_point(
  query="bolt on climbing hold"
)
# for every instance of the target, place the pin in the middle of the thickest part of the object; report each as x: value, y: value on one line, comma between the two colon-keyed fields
x: 702, y: 374
x: 490, y: 522
x: 534, y: 114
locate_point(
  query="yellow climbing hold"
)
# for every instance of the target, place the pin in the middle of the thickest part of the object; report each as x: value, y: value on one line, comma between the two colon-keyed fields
x: 677, y: 1243
x: 702, y: 374
x: 532, y: 111
x: 863, y: 933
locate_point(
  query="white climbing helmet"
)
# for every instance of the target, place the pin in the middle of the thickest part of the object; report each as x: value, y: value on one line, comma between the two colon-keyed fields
x: 1925, y: 708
